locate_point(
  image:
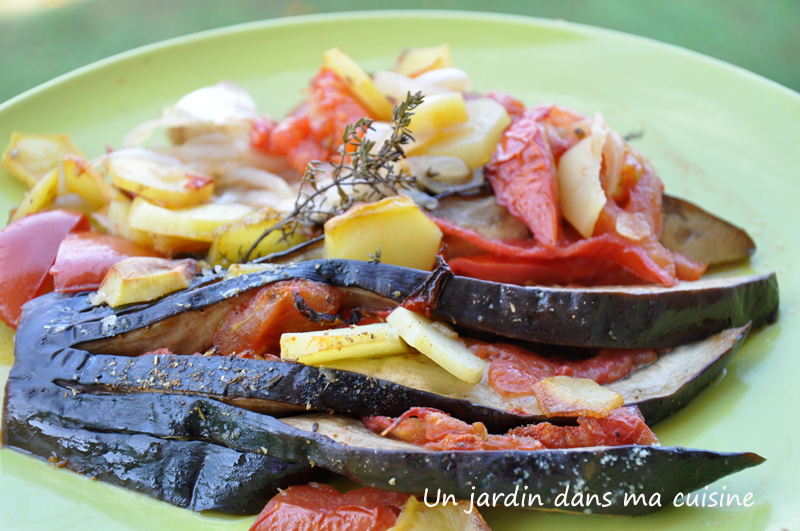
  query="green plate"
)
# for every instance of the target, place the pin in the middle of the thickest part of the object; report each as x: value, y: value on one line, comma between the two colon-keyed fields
x: 719, y: 136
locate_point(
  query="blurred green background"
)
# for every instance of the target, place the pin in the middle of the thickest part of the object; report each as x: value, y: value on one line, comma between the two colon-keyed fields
x: 41, y: 39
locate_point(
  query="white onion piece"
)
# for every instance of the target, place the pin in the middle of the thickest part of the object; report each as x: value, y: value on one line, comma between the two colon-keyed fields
x: 219, y: 104
x: 453, y: 79
x: 633, y: 227
x: 222, y: 106
x: 143, y: 153
x: 582, y: 195
x: 614, y: 157
x: 379, y: 133
x: 397, y: 86
x: 449, y: 170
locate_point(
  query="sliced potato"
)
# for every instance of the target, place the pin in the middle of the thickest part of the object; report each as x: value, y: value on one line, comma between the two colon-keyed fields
x: 233, y: 240
x: 415, y: 61
x: 30, y: 157
x: 87, y: 180
x: 166, y: 184
x: 143, y: 278
x: 359, y: 82
x: 39, y: 197
x: 417, y: 516
x: 564, y: 396
x: 395, y: 225
x: 474, y: 141
x: 437, y: 342
x: 318, y: 348
x: 195, y: 223
x: 117, y: 215
x: 436, y: 115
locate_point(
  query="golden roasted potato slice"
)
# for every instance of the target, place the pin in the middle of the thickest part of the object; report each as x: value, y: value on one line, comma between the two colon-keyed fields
x: 474, y: 141
x: 359, y: 82
x: 417, y: 516
x: 161, y: 182
x: 30, y: 157
x: 437, y: 117
x: 564, y: 396
x: 440, y: 343
x: 87, y: 180
x: 395, y: 226
x: 38, y: 197
x: 233, y: 240
x: 322, y: 347
x: 196, y: 223
x: 415, y: 61
x: 143, y: 278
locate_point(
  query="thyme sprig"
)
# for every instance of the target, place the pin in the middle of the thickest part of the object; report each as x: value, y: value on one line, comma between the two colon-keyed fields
x: 367, y: 176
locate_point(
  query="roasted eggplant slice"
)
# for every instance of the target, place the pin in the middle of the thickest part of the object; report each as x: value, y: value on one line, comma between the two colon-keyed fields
x: 384, y: 386
x: 198, y: 475
x: 343, y: 445
x: 691, y: 230
x: 610, y: 317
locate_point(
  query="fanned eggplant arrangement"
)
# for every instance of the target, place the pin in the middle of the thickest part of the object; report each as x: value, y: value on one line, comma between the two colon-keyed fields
x: 180, y: 425
x: 464, y: 295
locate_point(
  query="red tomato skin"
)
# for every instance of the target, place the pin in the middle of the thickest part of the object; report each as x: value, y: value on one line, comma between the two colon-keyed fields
x: 84, y: 258
x: 314, y: 130
x: 315, y: 507
x: 28, y: 248
x: 522, y: 173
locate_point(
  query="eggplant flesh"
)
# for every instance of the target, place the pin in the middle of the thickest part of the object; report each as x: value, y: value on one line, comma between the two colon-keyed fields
x: 343, y: 445
x: 386, y: 386
x: 691, y: 230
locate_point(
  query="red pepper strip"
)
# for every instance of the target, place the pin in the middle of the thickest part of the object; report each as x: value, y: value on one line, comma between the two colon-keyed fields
x: 28, y: 248
x: 523, y: 175
x: 610, y: 247
x: 318, y: 506
x: 84, y: 259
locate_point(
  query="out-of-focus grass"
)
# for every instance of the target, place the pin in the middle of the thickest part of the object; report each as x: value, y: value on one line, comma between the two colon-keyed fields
x: 40, y: 44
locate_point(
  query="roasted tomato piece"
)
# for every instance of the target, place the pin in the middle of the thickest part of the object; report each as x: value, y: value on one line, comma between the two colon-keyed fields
x: 257, y: 324
x: 316, y: 506
x: 436, y: 430
x: 314, y: 130
x: 522, y: 172
x: 513, y: 370
x: 622, y: 426
x: 84, y: 258
x: 28, y: 248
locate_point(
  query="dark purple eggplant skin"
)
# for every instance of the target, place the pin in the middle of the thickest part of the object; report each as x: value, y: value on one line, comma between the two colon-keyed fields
x: 312, y: 388
x: 194, y: 474
x: 598, y: 470
x: 611, y: 317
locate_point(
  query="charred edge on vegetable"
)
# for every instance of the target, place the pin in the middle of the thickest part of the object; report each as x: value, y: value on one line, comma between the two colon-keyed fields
x: 652, y: 318
x: 314, y: 316
x: 619, y: 469
x: 281, y: 388
x: 193, y: 474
